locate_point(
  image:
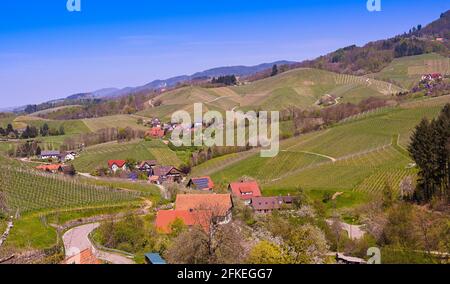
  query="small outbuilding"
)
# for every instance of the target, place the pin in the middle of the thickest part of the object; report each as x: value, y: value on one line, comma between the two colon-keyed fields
x: 154, y: 258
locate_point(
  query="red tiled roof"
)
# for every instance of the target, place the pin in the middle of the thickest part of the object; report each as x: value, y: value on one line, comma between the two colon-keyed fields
x: 191, y: 202
x: 156, y: 132
x: 84, y: 257
x: 119, y: 163
x: 245, y: 190
x: 165, y: 218
x: 50, y: 167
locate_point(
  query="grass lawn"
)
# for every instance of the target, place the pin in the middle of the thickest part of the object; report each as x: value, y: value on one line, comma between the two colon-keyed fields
x: 32, y: 232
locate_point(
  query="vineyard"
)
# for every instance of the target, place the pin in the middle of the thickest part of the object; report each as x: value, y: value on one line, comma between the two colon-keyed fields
x: 375, y: 183
x: 98, y: 156
x: 27, y: 190
x: 346, y: 174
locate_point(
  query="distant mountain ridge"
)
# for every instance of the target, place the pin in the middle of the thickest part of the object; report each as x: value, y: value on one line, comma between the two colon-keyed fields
x: 172, y: 82
x: 110, y: 93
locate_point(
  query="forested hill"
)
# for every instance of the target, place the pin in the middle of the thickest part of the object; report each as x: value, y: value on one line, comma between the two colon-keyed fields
x: 376, y: 55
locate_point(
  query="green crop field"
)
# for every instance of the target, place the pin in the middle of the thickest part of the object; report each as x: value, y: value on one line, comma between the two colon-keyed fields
x: 98, y: 155
x: 27, y: 191
x: 116, y: 121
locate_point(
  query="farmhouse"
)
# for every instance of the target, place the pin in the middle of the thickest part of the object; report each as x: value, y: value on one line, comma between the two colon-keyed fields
x: 155, y: 132
x: 201, y: 183
x: 165, y: 173
x: 165, y: 219
x: 84, y: 257
x: 264, y: 205
x: 216, y: 206
x: 147, y: 166
x: 432, y: 77
x: 56, y: 168
x: 115, y: 165
x: 50, y: 155
x: 67, y: 156
x: 245, y: 190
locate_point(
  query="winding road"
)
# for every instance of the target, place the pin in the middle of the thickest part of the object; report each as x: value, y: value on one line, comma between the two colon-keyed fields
x: 77, y: 239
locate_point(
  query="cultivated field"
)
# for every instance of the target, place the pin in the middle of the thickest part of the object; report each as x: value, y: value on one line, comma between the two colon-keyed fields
x: 27, y: 191
x: 98, y: 155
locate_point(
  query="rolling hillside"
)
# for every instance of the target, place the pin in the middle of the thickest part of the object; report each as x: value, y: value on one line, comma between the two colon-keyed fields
x: 407, y: 71
x: 358, y: 156
x: 298, y: 87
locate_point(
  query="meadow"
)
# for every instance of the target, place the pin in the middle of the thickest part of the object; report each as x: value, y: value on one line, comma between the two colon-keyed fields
x: 115, y: 121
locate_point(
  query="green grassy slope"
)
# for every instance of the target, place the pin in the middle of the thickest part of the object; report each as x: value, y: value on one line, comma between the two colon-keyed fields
x: 298, y: 87
x: 98, y: 155
x: 407, y: 71
x: 116, y: 121
x: 359, y: 156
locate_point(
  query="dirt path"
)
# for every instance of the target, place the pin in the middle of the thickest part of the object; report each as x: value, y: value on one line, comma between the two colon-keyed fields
x: 77, y: 239
x: 315, y: 154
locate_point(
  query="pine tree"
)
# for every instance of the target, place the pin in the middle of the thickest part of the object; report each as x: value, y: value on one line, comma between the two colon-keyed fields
x: 274, y: 70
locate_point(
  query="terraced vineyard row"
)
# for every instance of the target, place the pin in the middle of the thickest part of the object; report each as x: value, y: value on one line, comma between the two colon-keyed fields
x: 375, y: 183
x: 267, y: 170
x: 27, y: 190
x: 343, y: 175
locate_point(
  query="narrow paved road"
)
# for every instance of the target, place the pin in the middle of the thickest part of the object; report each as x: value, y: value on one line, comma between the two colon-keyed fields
x: 76, y: 240
x: 355, y: 232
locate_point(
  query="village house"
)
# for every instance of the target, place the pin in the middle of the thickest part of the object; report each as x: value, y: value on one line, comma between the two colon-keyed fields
x: 264, y: 205
x: 115, y: 165
x: 217, y: 205
x: 85, y: 257
x: 50, y: 155
x: 196, y: 209
x: 147, y: 166
x: 432, y: 77
x: 201, y: 183
x: 165, y: 173
x: 245, y: 190
x: 67, y: 156
x: 155, y: 132
x: 165, y: 219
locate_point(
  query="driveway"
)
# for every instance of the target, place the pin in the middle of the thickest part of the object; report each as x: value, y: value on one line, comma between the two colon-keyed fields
x: 355, y: 232
x: 76, y: 240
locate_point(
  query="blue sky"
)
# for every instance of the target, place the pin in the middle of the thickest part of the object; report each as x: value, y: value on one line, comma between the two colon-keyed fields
x: 47, y: 52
